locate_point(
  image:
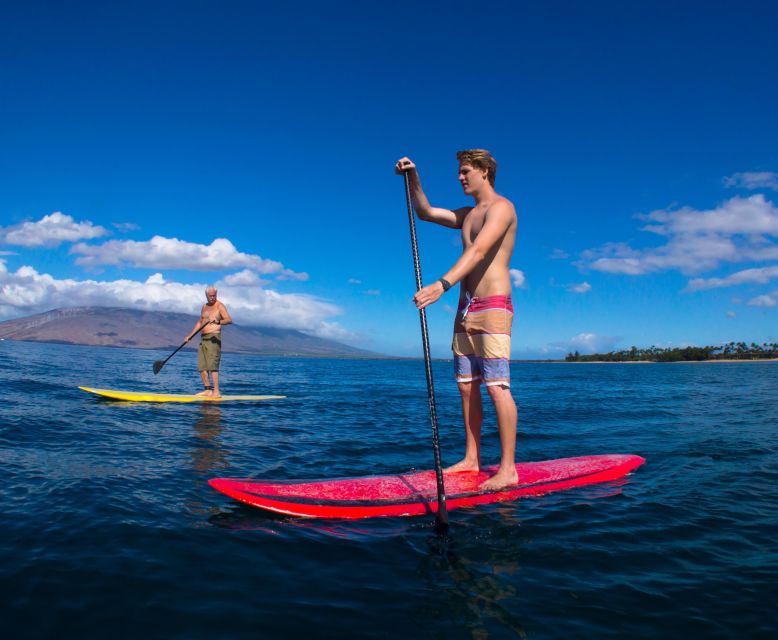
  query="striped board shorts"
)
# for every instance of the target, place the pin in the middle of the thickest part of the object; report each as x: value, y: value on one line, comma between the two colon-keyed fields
x: 482, y: 340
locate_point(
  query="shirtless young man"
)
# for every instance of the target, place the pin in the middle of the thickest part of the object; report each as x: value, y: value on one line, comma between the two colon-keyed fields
x: 212, y: 316
x: 482, y: 326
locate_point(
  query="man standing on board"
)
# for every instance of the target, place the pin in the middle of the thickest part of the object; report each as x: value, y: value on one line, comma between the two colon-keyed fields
x: 482, y: 328
x: 212, y: 317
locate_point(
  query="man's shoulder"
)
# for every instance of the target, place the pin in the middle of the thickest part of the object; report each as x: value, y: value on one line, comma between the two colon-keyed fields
x: 502, y: 204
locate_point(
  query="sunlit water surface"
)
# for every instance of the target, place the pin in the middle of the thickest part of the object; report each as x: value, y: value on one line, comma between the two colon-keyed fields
x: 109, y: 528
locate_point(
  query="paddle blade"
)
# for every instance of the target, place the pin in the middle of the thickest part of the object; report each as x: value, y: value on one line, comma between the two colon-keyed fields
x: 158, y: 366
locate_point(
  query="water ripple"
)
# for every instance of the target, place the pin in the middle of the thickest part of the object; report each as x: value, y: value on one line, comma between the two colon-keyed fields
x: 107, y: 502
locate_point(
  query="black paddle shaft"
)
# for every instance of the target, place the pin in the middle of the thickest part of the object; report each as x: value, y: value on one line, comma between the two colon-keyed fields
x: 442, y: 514
x: 161, y: 363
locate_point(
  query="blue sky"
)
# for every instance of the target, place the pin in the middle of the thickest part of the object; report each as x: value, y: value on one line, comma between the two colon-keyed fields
x: 148, y: 149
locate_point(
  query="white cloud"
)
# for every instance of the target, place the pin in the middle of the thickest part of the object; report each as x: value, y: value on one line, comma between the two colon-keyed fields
x: 752, y: 215
x: 50, y: 231
x: 559, y: 254
x: 614, y: 257
x: 584, y: 287
x: 126, y: 226
x: 731, y: 314
x: 27, y: 291
x: 584, y: 343
x: 354, y: 281
x: 245, y: 278
x: 759, y: 275
x: 373, y: 292
x: 767, y: 300
x: 740, y: 229
x: 518, y: 279
x: 333, y: 331
x: 288, y: 274
x: 753, y: 180
x: 172, y: 253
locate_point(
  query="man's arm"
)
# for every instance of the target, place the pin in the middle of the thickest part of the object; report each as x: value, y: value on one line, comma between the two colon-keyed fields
x: 198, y: 325
x: 423, y: 208
x: 224, y: 315
x: 496, y: 224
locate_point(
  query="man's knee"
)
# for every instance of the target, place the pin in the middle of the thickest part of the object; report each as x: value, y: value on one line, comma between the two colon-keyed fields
x: 498, y: 391
x: 467, y: 389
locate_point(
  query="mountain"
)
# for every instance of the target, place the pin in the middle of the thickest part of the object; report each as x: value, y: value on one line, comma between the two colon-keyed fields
x: 119, y: 327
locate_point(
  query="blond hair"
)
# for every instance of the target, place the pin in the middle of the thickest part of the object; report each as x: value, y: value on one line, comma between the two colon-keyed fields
x: 479, y: 159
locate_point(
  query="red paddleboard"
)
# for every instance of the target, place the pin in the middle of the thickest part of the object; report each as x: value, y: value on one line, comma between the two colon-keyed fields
x: 414, y: 494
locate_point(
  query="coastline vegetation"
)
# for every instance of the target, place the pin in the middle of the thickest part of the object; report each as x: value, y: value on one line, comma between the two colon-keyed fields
x: 729, y: 351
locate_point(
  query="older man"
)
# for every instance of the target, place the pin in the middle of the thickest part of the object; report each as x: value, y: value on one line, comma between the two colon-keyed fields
x: 213, y: 316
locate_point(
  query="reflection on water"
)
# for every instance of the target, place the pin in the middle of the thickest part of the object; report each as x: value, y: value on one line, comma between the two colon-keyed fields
x: 107, y: 502
x: 243, y: 518
x: 209, y: 458
x: 479, y: 582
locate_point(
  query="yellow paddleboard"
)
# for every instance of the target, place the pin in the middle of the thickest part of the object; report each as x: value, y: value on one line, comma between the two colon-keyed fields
x: 142, y: 396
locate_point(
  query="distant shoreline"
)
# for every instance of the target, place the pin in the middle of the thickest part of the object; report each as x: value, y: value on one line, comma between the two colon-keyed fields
x: 660, y: 362
x: 380, y: 356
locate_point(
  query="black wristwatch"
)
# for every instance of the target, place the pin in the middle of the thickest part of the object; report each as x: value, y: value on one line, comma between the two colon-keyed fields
x: 446, y: 284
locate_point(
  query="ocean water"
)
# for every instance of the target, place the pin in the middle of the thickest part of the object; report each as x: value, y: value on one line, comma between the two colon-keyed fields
x: 109, y: 529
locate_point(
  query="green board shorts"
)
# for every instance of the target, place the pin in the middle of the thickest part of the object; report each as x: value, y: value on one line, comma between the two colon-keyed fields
x: 210, y: 352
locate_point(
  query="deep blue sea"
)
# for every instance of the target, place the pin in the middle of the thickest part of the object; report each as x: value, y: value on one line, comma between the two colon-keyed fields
x: 109, y: 529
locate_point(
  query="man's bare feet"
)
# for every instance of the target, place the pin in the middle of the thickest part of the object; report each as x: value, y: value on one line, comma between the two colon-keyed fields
x: 500, y: 480
x: 205, y: 394
x: 462, y: 466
